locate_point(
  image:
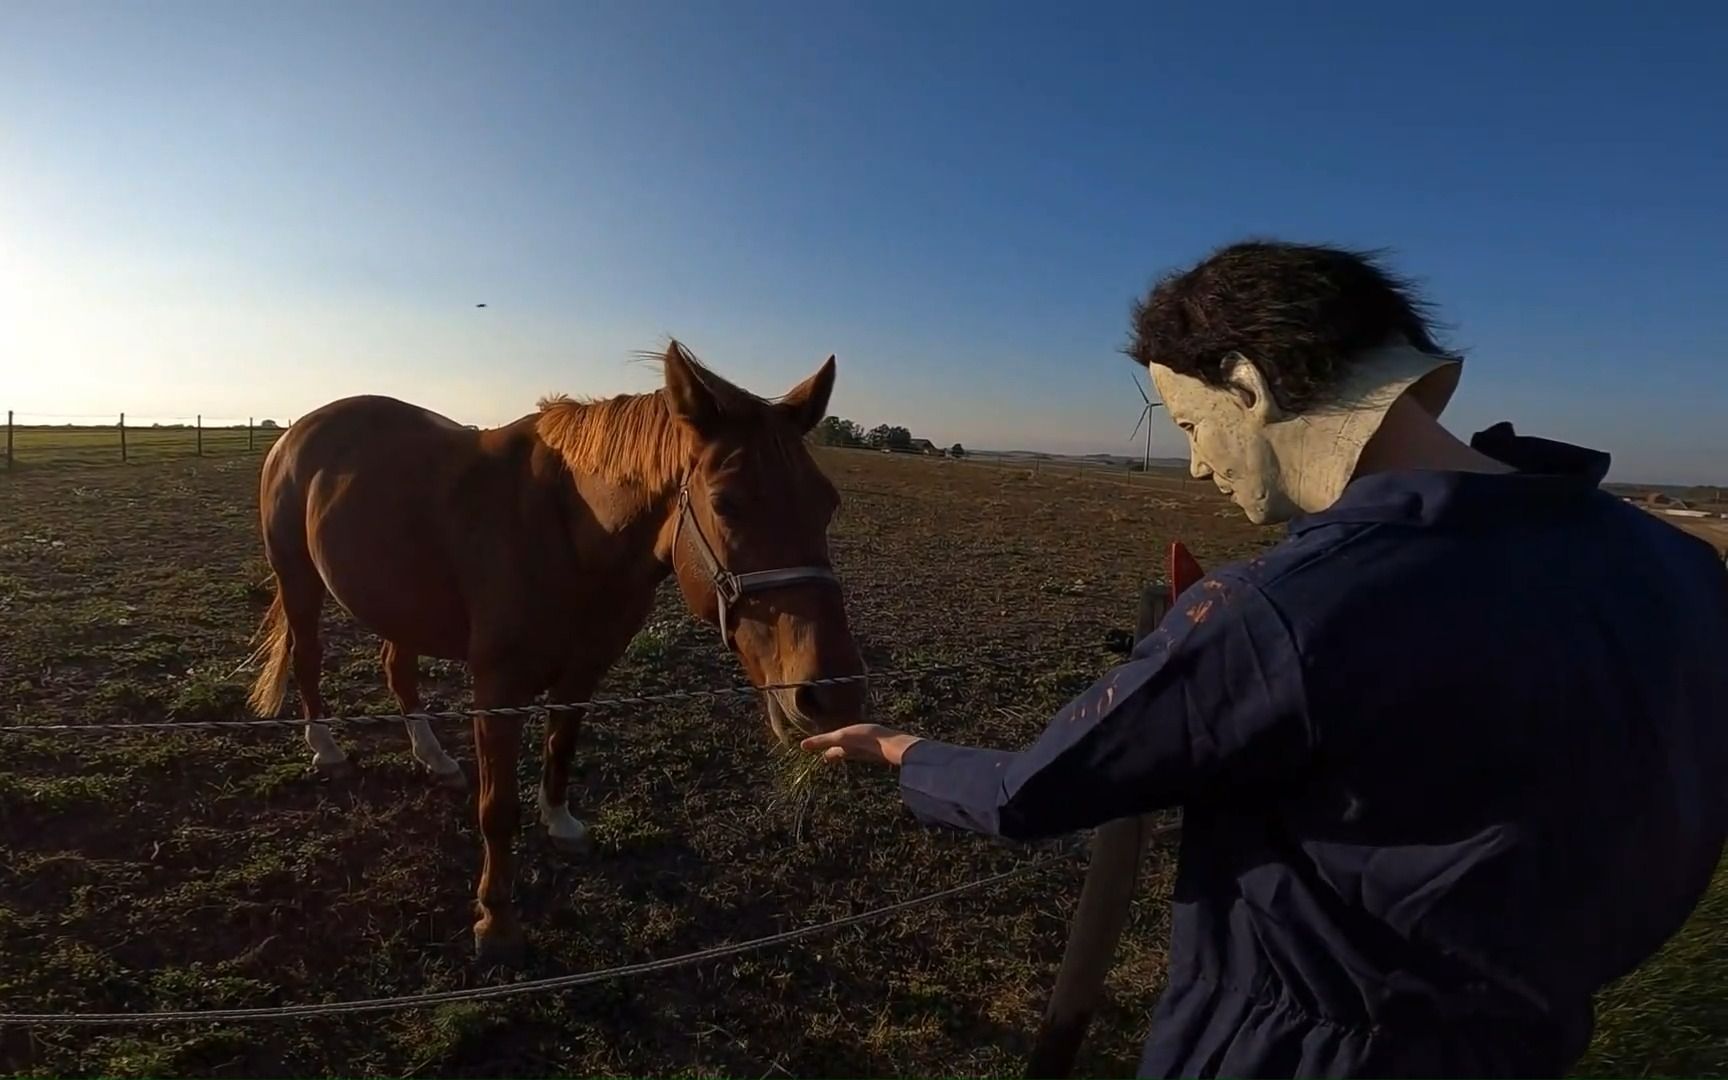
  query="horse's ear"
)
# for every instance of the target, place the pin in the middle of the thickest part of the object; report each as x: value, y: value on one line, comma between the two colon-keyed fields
x: 807, y: 403
x: 687, y: 395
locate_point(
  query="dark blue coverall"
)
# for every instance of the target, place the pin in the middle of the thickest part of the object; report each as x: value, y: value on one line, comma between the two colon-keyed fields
x: 1451, y: 757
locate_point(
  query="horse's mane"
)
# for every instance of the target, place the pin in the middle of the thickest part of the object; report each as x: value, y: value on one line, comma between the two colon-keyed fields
x: 633, y: 438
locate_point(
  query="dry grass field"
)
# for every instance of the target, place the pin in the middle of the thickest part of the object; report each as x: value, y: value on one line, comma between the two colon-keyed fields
x: 184, y: 870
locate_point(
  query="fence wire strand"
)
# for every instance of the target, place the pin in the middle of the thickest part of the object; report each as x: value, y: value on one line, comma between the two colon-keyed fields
x: 597, y: 705
x: 553, y: 983
x: 559, y: 982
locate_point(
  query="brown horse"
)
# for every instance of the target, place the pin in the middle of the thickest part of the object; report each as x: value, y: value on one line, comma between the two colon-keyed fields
x: 532, y: 553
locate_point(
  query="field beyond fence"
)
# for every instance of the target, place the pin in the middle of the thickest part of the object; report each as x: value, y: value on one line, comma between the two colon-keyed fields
x: 35, y: 439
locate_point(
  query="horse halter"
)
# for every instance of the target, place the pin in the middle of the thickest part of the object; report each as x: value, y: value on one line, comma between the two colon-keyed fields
x: 730, y: 587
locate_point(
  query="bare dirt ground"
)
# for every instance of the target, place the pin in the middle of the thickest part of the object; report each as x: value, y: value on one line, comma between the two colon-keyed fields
x: 186, y: 870
x: 1715, y: 532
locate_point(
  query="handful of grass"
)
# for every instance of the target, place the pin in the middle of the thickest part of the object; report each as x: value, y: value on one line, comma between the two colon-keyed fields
x: 798, y: 769
x: 797, y: 792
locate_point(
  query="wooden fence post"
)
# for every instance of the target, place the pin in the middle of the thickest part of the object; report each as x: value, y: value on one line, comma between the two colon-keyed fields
x: 248, y: 434
x: 1099, y: 917
x: 198, y: 421
x: 8, y: 438
x: 122, y: 436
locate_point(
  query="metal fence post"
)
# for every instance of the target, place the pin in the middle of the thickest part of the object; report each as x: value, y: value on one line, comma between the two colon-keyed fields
x: 199, y: 422
x: 8, y: 438
x: 122, y: 436
x: 248, y: 434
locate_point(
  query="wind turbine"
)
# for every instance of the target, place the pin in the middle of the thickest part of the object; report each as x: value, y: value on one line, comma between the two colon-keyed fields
x: 1146, y: 419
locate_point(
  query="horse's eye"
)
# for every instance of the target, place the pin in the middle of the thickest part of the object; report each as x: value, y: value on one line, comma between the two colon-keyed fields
x: 728, y: 505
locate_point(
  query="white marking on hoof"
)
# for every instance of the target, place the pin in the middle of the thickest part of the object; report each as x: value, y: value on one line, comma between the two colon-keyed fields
x: 566, y: 832
x: 327, y: 757
x: 333, y: 770
x: 427, y: 752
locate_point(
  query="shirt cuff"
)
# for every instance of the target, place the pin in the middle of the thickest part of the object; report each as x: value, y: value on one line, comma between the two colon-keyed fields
x: 959, y: 786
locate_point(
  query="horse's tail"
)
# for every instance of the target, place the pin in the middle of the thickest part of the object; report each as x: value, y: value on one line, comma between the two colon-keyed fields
x: 271, y: 686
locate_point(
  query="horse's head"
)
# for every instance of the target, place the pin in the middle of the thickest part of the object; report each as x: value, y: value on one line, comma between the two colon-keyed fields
x: 748, y: 541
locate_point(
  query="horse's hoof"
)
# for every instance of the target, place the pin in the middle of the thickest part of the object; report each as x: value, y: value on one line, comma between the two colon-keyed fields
x: 499, y: 950
x: 334, y: 771
x: 455, y: 780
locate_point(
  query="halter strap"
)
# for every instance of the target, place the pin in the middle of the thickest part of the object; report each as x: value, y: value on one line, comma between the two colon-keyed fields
x: 730, y: 587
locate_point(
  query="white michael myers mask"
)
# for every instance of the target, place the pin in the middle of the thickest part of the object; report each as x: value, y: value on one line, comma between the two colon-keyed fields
x: 1226, y: 429
x: 1274, y: 464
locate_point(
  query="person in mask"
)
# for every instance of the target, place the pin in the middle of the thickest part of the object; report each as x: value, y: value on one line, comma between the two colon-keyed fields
x: 1450, y: 757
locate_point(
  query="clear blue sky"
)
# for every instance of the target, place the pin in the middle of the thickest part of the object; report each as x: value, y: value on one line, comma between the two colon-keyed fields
x: 248, y: 209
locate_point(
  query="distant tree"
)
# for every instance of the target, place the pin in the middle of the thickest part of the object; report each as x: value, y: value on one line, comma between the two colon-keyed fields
x: 837, y: 431
x: 267, y: 424
x: 956, y: 451
x: 888, y: 437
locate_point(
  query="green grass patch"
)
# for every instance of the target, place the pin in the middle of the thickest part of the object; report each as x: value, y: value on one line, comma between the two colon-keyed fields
x: 202, y: 986
x: 1670, y: 1017
x: 204, y: 698
x: 62, y: 792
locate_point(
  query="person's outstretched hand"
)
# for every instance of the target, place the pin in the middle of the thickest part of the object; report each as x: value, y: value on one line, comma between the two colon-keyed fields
x: 873, y: 743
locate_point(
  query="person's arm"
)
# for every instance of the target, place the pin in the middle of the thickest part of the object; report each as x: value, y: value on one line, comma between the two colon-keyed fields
x: 1211, y: 700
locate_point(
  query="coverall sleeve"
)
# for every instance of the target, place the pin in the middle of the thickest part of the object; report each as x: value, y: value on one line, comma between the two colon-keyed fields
x: 1211, y: 700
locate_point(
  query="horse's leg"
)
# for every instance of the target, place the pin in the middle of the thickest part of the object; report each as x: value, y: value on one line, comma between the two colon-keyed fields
x: 401, y: 671
x: 303, y: 603
x: 566, y: 832
x: 497, y: 745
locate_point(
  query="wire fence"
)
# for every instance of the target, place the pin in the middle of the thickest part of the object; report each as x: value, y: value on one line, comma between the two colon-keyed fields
x: 69, y: 439
x: 546, y: 985
x: 42, y: 439
x: 431, y: 998
x: 557, y: 983
x: 596, y: 705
